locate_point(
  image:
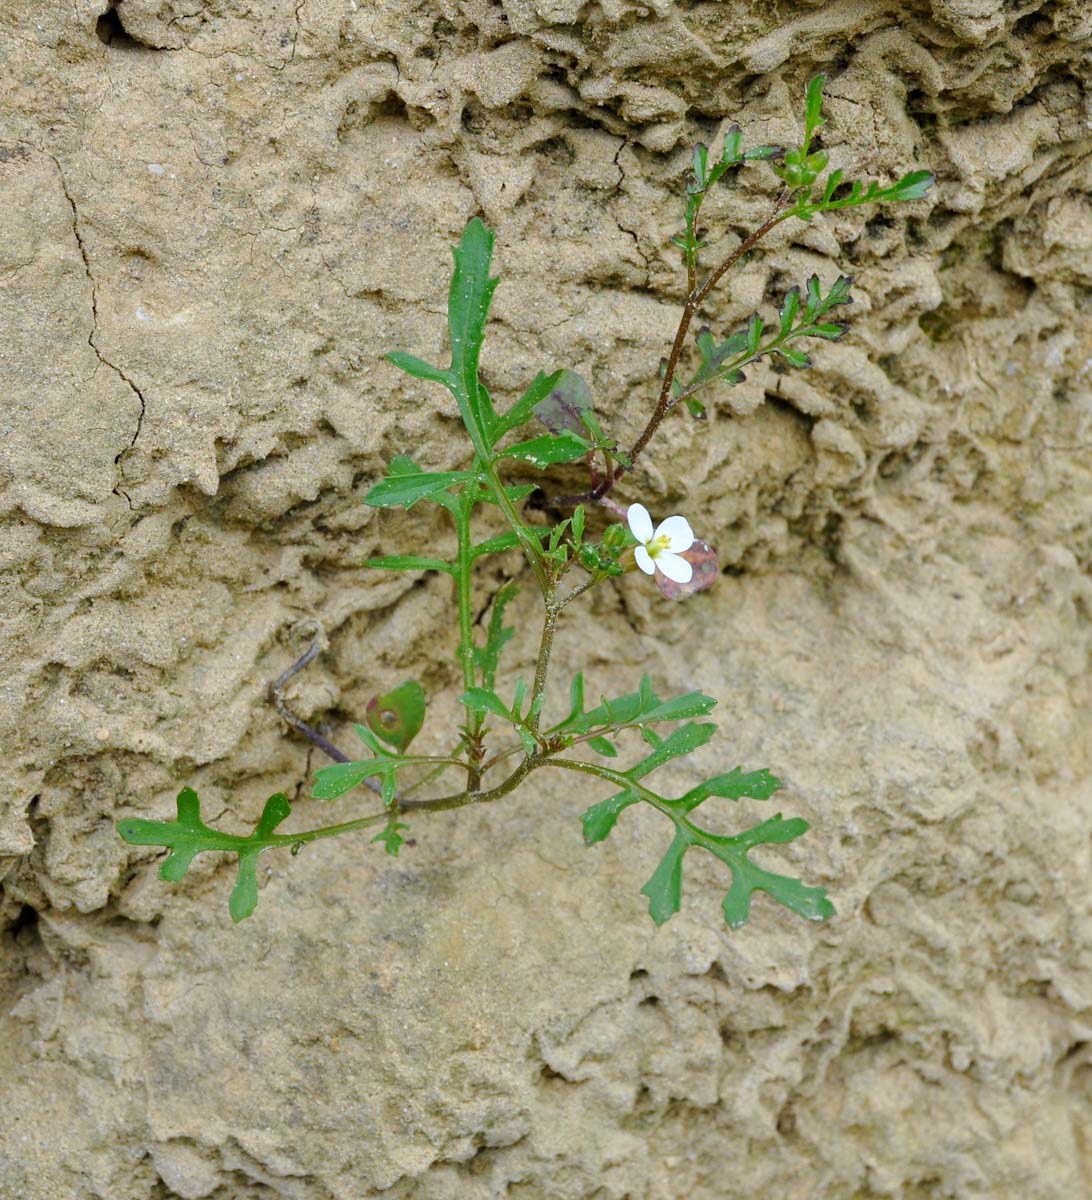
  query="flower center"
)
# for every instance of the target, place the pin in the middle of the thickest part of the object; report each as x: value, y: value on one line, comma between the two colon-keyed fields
x: 656, y: 545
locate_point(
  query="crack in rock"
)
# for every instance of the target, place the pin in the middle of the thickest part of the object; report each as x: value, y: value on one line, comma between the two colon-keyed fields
x: 95, y: 313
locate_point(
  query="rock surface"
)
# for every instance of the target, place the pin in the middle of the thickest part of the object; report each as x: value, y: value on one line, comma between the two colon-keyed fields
x: 218, y: 217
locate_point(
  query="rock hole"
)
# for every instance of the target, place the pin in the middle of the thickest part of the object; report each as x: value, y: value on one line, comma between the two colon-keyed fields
x: 112, y: 33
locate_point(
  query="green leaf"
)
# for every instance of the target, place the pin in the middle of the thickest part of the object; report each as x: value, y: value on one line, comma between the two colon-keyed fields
x: 733, y: 139
x: 468, y: 303
x: 515, y: 494
x: 684, y: 740
x: 795, y: 358
x: 700, y: 162
x: 187, y: 836
x: 409, y: 562
x: 603, y: 746
x: 510, y: 540
x: 757, y: 153
x: 635, y: 708
x: 755, y: 326
x: 419, y: 369
x: 524, y: 408
x: 789, y: 308
x: 664, y: 888
x: 397, y: 715
x: 336, y: 780
x: 406, y: 483
x: 392, y: 838
x: 913, y: 186
x: 714, y: 354
x: 747, y: 877
x: 487, y: 657
x: 813, y: 107
x: 548, y: 449
x: 754, y: 785
x: 600, y: 819
x: 483, y: 700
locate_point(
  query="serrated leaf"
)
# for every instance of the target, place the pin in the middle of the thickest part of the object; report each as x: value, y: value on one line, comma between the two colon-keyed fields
x: 808, y: 902
x: 397, y: 715
x: 406, y: 483
x: 548, y: 449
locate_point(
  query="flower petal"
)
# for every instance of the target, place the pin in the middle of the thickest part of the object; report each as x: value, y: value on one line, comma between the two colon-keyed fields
x: 677, y: 569
x: 679, y: 535
x: 640, y: 523
x: 644, y: 560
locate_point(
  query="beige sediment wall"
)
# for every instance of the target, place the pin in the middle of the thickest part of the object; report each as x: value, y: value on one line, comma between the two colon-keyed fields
x: 216, y: 218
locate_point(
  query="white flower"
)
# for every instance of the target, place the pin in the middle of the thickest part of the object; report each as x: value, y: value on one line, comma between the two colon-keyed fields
x: 663, y: 548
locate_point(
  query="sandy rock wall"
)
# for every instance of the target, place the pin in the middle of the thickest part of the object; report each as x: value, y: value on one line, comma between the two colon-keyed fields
x: 218, y: 216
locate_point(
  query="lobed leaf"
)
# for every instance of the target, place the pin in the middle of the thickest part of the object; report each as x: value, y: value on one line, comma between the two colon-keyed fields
x: 187, y: 836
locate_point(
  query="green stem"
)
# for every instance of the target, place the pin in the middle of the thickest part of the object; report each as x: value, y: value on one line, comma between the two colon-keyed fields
x: 530, y: 546
x: 463, y: 559
x: 624, y: 781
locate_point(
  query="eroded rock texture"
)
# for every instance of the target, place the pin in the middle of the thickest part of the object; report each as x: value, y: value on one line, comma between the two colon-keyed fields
x: 217, y: 217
